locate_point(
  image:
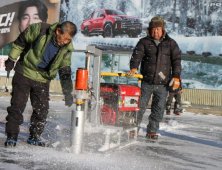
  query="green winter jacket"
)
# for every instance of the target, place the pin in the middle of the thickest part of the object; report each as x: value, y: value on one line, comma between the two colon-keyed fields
x: 30, y: 46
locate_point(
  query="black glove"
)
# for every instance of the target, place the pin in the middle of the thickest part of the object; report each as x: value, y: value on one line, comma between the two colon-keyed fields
x: 9, y: 64
x: 68, y: 99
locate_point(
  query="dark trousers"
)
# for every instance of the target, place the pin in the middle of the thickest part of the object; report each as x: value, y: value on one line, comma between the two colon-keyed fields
x: 175, y: 95
x: 157, y: 107
x: 39, y: 96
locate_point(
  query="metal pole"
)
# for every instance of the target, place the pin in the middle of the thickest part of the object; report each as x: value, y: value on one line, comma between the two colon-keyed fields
x: 88, y: 62
x: 77, y: 128
x: 118, y: 68
x: 112, y: 67
x: 95, y: 114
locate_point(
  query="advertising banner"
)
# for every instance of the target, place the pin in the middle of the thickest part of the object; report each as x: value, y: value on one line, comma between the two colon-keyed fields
x: 16, y: 15
x: 117, y: 26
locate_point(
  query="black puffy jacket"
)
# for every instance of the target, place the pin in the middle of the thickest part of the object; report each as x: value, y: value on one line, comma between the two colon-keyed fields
x: 158, y: 63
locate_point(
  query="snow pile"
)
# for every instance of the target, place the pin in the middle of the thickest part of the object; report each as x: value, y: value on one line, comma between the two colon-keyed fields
x: 210, y: 44
x: 199, y: 45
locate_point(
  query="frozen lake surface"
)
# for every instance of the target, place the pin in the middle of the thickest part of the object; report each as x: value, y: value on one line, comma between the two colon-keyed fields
x: 187, y: 142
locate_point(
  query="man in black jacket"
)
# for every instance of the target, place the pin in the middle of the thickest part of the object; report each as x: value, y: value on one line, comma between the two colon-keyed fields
x: 160, y: 59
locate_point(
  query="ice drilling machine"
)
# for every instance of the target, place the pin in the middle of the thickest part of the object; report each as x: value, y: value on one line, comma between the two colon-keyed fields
x: 108, y: 106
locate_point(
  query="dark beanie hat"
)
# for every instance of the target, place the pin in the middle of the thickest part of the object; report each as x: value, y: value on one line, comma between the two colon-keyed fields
x: 157, y: 22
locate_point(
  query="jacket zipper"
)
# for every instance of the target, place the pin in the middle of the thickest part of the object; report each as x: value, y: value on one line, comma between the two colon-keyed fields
x: 158, y: 53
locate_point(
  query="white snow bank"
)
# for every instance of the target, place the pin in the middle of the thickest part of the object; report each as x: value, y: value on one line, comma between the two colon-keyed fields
x: 212, y: 44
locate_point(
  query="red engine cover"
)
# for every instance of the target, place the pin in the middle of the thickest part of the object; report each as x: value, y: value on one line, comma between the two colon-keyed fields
x: 129, y: 98
x: 108, y: 89
x: 127, y: 90
x: 108, y: 115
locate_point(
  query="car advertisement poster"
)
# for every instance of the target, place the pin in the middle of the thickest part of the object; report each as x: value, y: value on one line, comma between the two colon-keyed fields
x: 118, y: 24
x: 16, y: 15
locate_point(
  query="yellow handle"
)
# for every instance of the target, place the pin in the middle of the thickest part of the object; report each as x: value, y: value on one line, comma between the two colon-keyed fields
x: 121, y: 75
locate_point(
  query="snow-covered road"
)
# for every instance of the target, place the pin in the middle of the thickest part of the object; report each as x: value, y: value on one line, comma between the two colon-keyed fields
x: 189, y: 141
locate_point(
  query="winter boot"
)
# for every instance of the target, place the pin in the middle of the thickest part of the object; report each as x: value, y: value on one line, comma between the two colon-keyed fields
x: 153, y: 136
x: 168, y: 109
x: 36, y: 140
x: 11, y: 140
x: 167, y: 112
x: 176, y: 111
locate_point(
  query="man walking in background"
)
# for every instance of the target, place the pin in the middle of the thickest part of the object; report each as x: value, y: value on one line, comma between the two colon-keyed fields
x: 159, y: 56
x: 177, y: 95
x: 43, y: 49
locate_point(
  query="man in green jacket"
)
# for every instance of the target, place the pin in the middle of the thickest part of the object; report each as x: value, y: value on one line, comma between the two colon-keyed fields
x: 43, y: 49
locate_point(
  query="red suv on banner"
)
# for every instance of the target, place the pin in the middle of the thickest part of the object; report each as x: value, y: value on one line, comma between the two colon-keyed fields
x: 110, y: 22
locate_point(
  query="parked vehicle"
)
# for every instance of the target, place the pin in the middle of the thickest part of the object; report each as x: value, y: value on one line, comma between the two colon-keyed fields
x: 110, y: 22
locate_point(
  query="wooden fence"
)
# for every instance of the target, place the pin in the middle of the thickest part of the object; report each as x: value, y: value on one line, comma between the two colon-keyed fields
x: 203, y: 97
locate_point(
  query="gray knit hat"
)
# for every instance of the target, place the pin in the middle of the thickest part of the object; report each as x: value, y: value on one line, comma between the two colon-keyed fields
x: 157, y: 22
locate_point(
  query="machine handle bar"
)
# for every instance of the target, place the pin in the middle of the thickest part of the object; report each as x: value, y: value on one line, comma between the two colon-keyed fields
x: 140, y: 76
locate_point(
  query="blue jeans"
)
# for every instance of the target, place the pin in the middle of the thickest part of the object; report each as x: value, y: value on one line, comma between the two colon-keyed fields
x: 157, y: 107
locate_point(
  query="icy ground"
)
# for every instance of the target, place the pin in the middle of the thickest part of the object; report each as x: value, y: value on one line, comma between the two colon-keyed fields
x: 189, y: 142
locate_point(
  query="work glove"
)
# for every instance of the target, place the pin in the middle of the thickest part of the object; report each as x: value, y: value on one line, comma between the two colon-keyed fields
x: 175, y: 83
x: 9, y: 64
x: 132, y: 72
x: 68, y: 99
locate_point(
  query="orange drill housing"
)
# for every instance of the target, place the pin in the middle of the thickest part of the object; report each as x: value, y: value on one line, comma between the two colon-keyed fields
x: 81, y: 79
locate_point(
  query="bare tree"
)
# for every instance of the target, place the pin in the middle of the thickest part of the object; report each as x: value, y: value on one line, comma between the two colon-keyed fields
x: 183, y: 17
x: 174, y: 15
x: 197, y: 18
